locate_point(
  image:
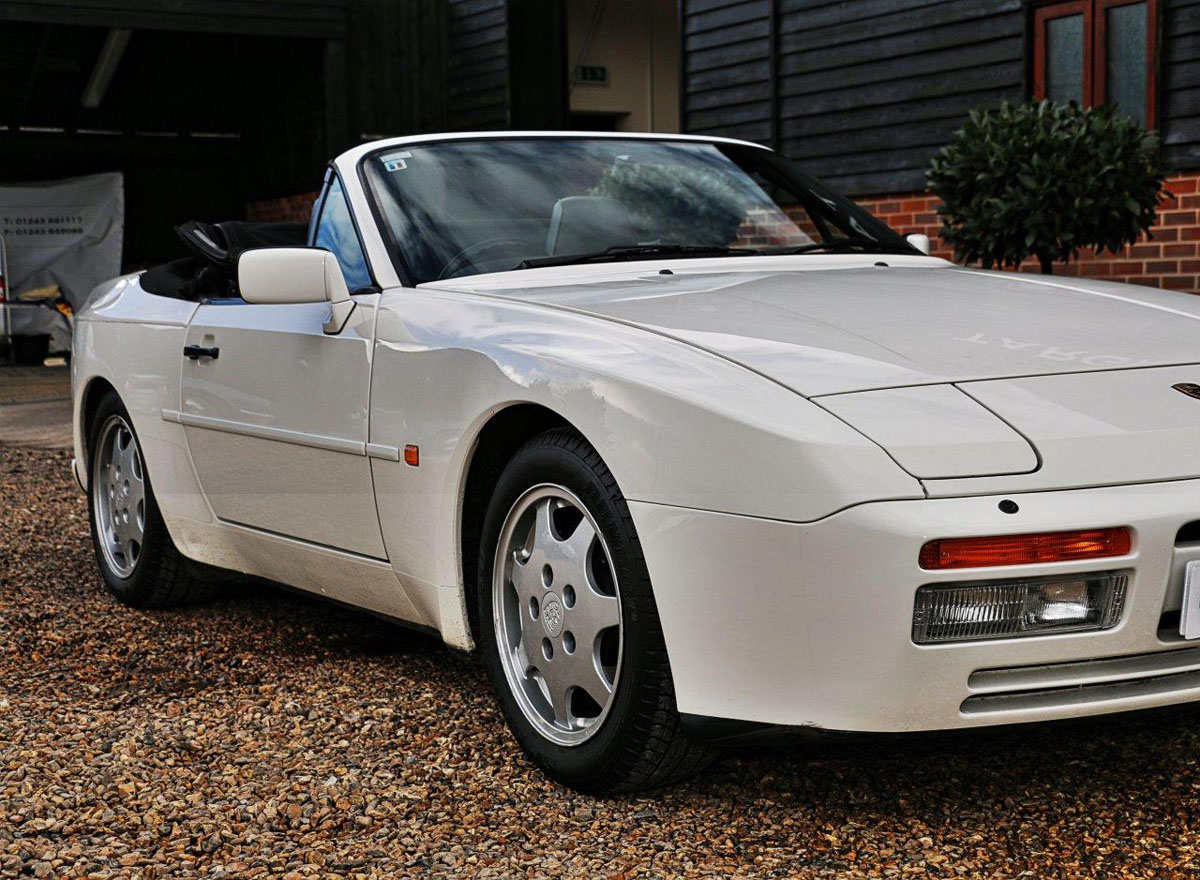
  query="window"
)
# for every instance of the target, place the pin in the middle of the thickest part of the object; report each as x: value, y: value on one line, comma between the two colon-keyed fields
x: 1097, y: 52
x: 463, y: 207
x: 336, y: 233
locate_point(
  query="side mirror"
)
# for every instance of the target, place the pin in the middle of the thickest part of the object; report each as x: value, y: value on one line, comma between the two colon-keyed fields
x: 919, y: 241
x: 295, y: 275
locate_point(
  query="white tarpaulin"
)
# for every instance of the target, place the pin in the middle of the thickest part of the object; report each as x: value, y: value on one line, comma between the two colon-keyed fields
x: 64, y: 232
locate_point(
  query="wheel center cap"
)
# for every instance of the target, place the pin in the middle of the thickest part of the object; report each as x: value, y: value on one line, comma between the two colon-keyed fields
x: 552, y: 615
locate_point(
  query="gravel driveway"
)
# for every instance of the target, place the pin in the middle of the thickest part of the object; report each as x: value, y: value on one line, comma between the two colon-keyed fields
x: 272, y: 734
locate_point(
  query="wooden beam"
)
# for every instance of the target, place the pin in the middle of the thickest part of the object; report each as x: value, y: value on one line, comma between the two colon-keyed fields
x: 31, y: 80
x: 105, y: 67
x: 337, y: 97
x: 538, y: 65
x: 295, y: 18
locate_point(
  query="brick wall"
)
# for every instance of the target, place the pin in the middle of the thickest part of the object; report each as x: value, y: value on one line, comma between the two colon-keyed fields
x: 288, y: 208
x: 1167, y: 257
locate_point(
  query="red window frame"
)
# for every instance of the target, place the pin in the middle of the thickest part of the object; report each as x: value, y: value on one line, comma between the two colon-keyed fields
x: 1095, y: 48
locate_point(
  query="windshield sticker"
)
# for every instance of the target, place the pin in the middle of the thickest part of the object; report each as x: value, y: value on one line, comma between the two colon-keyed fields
x: 396, y: 161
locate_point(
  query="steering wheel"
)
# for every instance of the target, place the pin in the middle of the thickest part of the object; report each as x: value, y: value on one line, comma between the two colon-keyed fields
x: 467, y: 256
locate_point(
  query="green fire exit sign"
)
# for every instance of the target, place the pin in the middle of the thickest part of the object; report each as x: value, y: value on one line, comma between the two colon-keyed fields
x: 594, y: 74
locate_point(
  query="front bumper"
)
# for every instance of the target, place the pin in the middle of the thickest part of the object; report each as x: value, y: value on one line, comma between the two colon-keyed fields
x: 809, y: 625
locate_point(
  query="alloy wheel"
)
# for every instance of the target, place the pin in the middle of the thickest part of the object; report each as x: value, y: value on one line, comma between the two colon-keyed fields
x: 557, y: 614
x: 119, y: 496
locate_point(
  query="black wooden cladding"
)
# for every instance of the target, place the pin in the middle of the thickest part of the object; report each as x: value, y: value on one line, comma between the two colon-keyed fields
x: 396, y: 54
x: 477, y: 64
x: 861, y: 94
x: 728, y: 68
x: 864, y: 93
x: 1179, y: 93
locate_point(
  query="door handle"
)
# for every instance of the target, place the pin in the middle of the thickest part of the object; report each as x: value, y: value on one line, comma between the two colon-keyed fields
x: 195, y: 352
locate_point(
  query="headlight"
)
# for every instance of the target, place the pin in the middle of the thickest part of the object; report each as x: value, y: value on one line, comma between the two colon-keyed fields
x: 935, y: 431
x: 965, y: 612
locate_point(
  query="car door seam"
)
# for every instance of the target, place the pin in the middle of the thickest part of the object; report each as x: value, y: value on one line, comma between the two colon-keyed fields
x: 380, y: 451
x: 383, y: 452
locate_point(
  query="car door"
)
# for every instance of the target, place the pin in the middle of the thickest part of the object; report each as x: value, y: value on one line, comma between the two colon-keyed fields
x: 275, y: 410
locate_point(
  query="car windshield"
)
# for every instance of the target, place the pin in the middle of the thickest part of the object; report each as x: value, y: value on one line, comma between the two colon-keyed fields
x: 463, y: 207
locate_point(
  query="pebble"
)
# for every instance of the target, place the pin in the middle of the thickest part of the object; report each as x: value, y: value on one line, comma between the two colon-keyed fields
x: 269, y: 734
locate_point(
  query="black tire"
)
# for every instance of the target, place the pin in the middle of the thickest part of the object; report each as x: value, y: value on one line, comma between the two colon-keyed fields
x: 30, y: 351
x: 640, y: 744
x: 161, y: 577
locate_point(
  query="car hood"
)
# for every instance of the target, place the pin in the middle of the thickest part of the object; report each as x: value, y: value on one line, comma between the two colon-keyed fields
x: 859, y: 327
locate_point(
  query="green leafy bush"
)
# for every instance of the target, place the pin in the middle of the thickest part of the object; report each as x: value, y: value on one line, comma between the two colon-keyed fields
x: 1044, y: 180
x: 676, y: 204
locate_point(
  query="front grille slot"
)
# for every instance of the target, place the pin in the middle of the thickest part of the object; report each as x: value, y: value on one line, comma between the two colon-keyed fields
x: 1080, y: 682
x: 1091, y: 693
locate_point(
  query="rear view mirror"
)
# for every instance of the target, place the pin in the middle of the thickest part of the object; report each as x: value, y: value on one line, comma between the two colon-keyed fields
x: 283, y: 275
x: 919, y: 241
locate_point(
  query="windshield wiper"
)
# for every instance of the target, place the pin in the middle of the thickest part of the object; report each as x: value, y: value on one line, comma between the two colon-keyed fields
x: 620, y: 252
x: 869, y: 245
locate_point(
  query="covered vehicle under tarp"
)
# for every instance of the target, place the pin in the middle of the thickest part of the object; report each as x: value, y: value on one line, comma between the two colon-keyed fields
x: 63, y: 236
x: 63, y: 232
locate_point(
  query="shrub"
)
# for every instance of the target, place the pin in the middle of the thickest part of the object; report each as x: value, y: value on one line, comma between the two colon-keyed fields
x: 1044, y: 180
x: 680, y: 205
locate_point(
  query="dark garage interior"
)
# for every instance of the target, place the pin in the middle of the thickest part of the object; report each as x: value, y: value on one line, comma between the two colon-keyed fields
x: 200, y: 123
x: 209, y: 106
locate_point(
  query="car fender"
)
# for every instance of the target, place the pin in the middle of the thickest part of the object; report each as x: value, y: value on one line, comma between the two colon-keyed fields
x: 672, y: 423
x: 133, y: 340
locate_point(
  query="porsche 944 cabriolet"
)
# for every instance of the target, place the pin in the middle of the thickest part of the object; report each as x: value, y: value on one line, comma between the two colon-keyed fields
x: 686, y: 446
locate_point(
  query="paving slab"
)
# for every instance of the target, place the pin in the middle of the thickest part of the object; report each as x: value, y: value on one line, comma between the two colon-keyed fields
x: 35, y: 406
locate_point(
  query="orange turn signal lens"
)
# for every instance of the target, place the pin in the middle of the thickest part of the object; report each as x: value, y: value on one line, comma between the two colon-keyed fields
x: 1025, y: 549
x: 412, y: 456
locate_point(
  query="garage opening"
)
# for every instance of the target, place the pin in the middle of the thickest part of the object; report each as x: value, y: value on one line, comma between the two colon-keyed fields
x: 199, y: 123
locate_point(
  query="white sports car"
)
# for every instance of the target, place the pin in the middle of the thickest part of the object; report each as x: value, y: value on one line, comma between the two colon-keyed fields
x: 687, y: 447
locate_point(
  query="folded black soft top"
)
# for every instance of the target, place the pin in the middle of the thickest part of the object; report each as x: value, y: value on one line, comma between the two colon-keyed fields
x: 222, y: 243
x: 211, y: 267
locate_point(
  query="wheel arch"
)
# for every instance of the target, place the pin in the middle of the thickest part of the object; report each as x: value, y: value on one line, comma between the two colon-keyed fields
x: 93, y: 392
x: 496, y: 442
